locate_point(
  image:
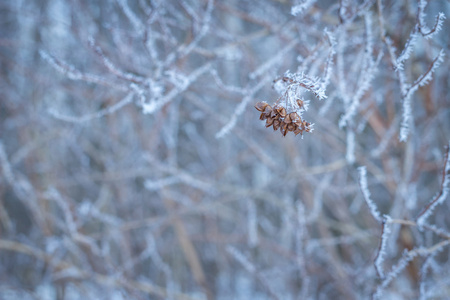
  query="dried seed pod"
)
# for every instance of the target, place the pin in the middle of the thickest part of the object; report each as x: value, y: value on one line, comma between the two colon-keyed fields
x: 294, y: 117
x: 291, y: 127
x: 299, y: 122
x: 261, y: 106
x: 281, y: 111
x: 276, y: 124
x: 274, y: 114
x: 307, y: 126
x: 287, y: 119
x: 278, y: 117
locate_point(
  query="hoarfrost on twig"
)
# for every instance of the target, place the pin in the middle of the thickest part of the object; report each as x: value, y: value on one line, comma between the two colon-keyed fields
x: 441, y: 196
x: 365, y: 190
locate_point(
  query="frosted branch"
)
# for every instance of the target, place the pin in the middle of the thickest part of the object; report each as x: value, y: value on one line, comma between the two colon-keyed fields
x: 240, y: 109
x: 224, y: 86
x: 386, y: 138
x: 186, y: 49
x: 369, y: 69
x: 408, y: 49
x: 134, y: 20
x: 421, y: 81
x: 366, y: 193
x: 426, y: 77
x: 243, y: 261
x: 6, y: 166
x: 99, y: 114
x: 301, y: 7
x: 155, y: 105
x: 111, y: 67
x: 329, y: 63
x: 312, y: 84
x: 274, y: 60
x: 407, y: 257
x: 72, y: 73
x: 54, y: 195
x: 436, y: 28
x: 155, y: 185
x: 441, y: 196
x: 406, y: 118
x: 350, y: 146
x: 252, y: 223
x: 364, y: 85
x: 381, y: 18
x: 379, y: 258
x: 424, y: 30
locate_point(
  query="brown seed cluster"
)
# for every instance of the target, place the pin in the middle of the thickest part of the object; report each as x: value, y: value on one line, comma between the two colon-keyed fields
x: 279, y: 118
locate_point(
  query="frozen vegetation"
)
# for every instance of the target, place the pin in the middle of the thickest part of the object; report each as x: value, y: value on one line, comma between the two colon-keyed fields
x: 141, y: 154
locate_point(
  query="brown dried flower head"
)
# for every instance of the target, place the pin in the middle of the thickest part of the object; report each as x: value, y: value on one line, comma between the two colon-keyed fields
x: 280, y: 118
x: 286, y: 113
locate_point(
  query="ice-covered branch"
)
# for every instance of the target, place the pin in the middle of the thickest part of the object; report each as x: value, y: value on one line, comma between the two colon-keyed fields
x: 250, y: 268
x: 379, y: 258
x: 441, y: 196
x: 436, y: 28
x: 364, y: 85
x: 350, y: 145
x: 381, y: 18
x: 404, y: 261
x: 155, y: 105
x: 366, y: 193
x: 5, y: 165
x: 406, y: 119
x: 99, y: 114
x: 408, y: 49
x: 368, y: 71
x: 407, y: 90
x: 224, y: 86
x: 312, y: 84
x: 72, y: 73
x: 252, y: 223
x: 423, y: 29
x: 329, y: 63
x: 426, y: 77
x: 69, y: 219
x: 407, y: 257
x: 241, y: 108
x: 184, y: 50
x: 301, y: 7
x: 132, y: 17
x: 240, y: 257
x: 111, y: 67
x: 273, y: 61
x: 423, y: 79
